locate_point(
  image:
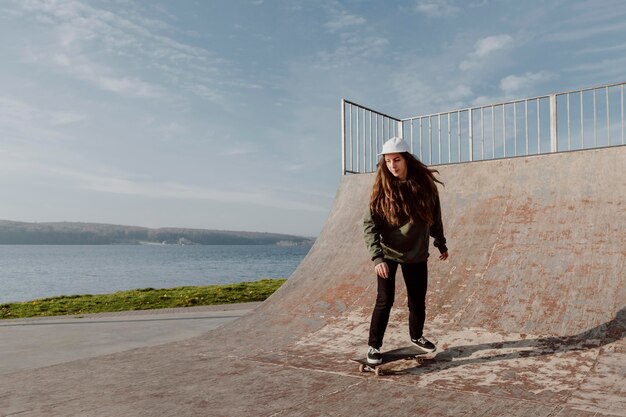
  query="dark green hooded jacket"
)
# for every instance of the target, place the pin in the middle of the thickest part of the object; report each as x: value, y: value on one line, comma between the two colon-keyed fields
x: 405, y: 244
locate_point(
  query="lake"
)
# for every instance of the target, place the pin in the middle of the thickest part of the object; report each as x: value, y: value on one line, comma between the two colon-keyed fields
x: 28, y: 272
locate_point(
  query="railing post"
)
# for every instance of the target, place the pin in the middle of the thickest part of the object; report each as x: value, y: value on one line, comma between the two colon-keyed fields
x: 358, y: 140
x: 471, y: 134
x: 400, y: 129
x: 608, y: 116
x: 553, y: 124
x: 343, y: 136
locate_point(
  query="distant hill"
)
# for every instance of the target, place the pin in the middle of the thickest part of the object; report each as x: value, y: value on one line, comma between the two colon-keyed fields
x: 69, y: 233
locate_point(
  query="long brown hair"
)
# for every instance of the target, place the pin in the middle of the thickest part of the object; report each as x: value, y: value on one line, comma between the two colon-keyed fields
x: 397, y: 202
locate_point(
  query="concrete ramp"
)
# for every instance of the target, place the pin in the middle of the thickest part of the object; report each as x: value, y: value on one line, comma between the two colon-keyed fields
x: 528, y: 313
x: 537, y: 246
x: 531, y: 304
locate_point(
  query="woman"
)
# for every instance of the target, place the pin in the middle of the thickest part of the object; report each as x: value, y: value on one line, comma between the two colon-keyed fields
x: 404, y: 211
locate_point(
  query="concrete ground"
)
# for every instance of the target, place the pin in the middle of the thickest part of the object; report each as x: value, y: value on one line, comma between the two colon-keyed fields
x: 27, y: 344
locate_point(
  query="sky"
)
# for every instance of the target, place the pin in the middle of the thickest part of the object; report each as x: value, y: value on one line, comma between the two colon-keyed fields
x: 226, y: 114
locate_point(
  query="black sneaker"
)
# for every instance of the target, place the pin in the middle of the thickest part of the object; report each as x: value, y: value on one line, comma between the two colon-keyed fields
x: 424, y: 344
x: 374, y: 356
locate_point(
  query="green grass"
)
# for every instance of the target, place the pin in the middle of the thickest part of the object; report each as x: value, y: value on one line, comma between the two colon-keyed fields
x: 143, y: 299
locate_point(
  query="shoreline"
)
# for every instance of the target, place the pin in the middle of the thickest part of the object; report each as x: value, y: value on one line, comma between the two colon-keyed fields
x: 149, y: 300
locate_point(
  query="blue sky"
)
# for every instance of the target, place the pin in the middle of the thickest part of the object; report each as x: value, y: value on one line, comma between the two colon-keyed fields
x: 226, y: 114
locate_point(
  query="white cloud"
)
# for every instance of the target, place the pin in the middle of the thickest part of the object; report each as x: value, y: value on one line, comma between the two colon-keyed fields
x: 605, y: 69
x: 422, y: 97
x: 231, y: 150
x: 460, y: 92
x: 591, y: 18
x: 602, y: 49
x: 352, y: 50
x: 21, y: 121
x: 490, y: 44
x: 173, y: 190
x: 341, y: 20
x: 485, y: 100
x: 88, y: 42
x: 103, y: 78
x: 16, y: 111
x: 64, y: 118
x: 434, y: 8
x: 525, y: 83
x: 295, y: 167
x: 588, y: 32
x: 485, y: 47
x: 43, y: 166
x: 125, y: 85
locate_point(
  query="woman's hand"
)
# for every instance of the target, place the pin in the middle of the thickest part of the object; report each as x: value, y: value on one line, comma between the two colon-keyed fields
x: 382, y: 270
x: 443, y: 256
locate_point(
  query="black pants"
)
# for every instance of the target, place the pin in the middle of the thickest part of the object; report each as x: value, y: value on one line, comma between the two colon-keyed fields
x: 416, y: 281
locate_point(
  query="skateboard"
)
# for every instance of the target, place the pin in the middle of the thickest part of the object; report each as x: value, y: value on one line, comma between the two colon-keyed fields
x: 409, y: 353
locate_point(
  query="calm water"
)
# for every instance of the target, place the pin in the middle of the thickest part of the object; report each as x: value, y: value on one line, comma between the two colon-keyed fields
x: 35, y: 271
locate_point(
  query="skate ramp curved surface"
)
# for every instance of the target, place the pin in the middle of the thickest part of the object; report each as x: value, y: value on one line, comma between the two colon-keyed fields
x: 530, y: 305
x: 537, y: 245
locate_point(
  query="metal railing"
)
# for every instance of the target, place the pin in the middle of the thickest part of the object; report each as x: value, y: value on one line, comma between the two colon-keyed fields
x: 364, y: 132
x: 571, y: 120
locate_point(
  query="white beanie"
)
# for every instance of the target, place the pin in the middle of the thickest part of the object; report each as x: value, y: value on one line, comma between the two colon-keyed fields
x: 395, y: 145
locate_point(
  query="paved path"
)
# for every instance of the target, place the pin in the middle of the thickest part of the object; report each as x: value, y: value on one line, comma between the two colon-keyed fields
x: 37, y: 342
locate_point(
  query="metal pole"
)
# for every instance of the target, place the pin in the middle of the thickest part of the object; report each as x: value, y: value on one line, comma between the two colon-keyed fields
x: 430, y: 140
x: 351, y: 142
x: 538, y: 128
x: 412, y: 135
x: 439, y: 135
x: 471, y: 136
x: 376, y: 138
x: 493, y: 133
x: 582, y: 122
x: 449, y: 141
x: 458, y: 128
x: 553, y: 124
x: 569, y: 141
x: 504, y: 130
x: 343, y: 137
x: 364, y: 141
x: 358, y: 140
x: 595, y: 121
x: 383, y: 139
x: 371, y: 158
x: 514, y: 129
x: 421, y: 142
x: 482, y: 134
x: 526, y: 122
x: 608, y: 117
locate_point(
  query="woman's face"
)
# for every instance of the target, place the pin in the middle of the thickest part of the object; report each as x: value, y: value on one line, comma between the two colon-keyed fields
x: 396, y: 164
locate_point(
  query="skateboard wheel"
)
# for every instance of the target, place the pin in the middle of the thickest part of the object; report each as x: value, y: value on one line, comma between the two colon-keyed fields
x: 378, y: 371
x: 361, y: 368
x: 419, y: 361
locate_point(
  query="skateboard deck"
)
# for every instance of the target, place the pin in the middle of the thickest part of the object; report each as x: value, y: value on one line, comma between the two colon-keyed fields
x: 409, y: 353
